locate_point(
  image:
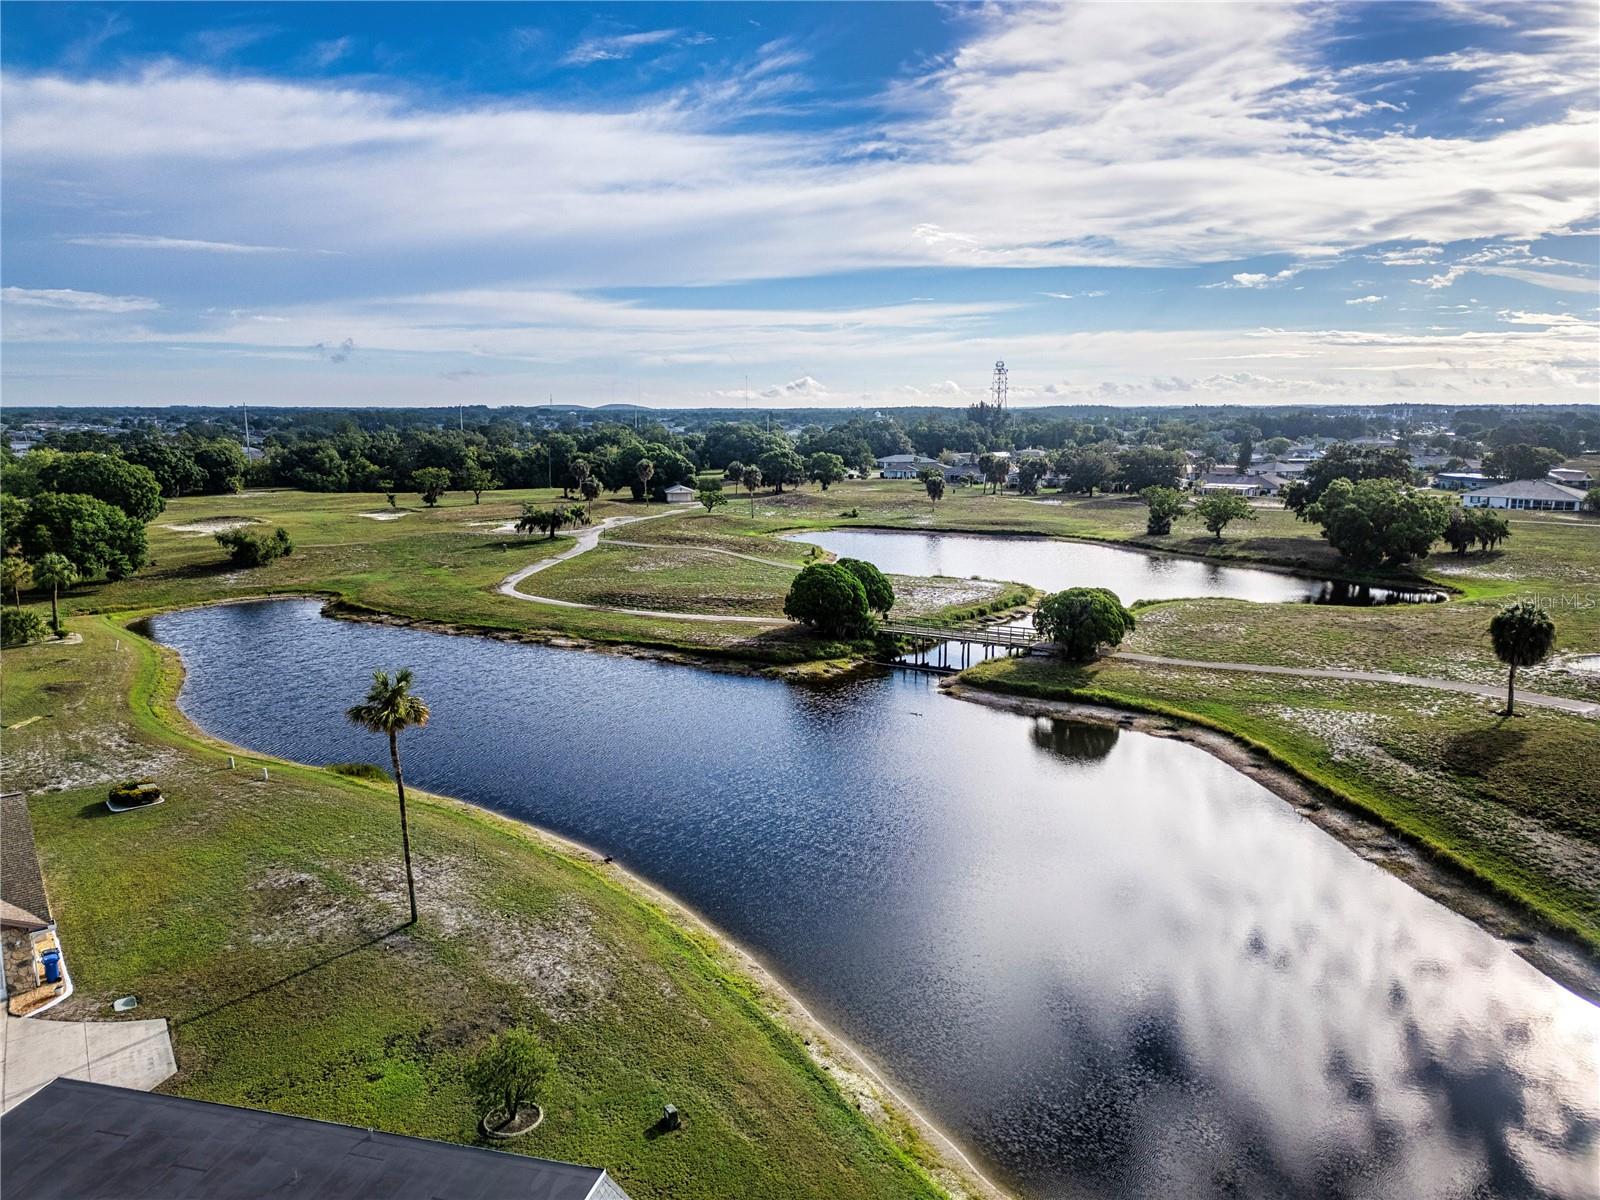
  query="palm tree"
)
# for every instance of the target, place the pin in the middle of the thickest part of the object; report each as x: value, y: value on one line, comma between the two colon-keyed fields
x: 590, y: 487
x: 55, y: 571
x: 646, y: 469
x: 751, y: 478
x: 389, y: 708
x: 17, y: 574
x: 1523, y: 636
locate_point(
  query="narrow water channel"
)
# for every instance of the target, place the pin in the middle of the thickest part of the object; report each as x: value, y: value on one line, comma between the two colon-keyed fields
x: 1053, y: 564
x: 1107, y: 962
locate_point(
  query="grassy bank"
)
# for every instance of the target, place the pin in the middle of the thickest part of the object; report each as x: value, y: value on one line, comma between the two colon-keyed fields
x: 441, y: 565
x: 1513, y: 803
x: 263, y: 919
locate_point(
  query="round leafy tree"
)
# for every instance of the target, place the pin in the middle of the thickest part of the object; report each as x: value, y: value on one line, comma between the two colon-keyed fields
x: 1165, y: 504
x: 1523, y: 635
x: 1082, y: 619
x: 830, y: 599
x: 880, y: 592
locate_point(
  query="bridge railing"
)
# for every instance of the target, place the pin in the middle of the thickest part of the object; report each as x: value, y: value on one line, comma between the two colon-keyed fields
x: 992, y: 635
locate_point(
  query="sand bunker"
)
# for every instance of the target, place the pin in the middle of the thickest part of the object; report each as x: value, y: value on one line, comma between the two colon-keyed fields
x: 388, y: 514
x: 212, y: 525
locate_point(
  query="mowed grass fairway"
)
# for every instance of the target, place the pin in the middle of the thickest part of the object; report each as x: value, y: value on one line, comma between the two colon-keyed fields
x: 263, y: 920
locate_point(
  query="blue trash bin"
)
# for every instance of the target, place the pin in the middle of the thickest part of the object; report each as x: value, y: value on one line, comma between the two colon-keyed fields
x: 52, y: 965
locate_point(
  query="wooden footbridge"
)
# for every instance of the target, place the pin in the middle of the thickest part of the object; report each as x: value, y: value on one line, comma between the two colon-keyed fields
x: 936, y: 645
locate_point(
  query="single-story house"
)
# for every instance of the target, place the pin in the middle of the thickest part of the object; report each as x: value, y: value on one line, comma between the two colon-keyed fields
x: 1570, y: 477
x: 963, y: 472
x: 680, y: 494
x: 1244, y: 485
x: 1461, y: 481
x: 905, y: 466
x: 76, y: 1138
x: 1525, y: 494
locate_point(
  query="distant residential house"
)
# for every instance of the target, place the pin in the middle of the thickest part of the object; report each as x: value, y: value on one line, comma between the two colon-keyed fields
x: 1242, y: 485
x: 1570, y: 477
x: 1461, y: 481
x: 1526, y: 494
x: 1032, y: 452
x: 963, y: 472
x: 906, y: 466
x: 680, y: 494
x: 1277, y: 466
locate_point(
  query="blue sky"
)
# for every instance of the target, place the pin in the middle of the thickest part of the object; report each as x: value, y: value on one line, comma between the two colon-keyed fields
x: 845, y: 203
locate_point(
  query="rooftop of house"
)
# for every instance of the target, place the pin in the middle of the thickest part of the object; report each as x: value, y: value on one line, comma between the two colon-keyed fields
x: 75, y: 1138
x: 21, y: 884
x: 1531, y: 489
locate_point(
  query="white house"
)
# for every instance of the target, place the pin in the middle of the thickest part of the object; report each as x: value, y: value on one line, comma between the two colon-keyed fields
x: 680, y: 494
x: 1241, y: 485
x: 1461, y: 481
x: 1570, y: 477
x: 1526, y: 493
x: 905, y: 466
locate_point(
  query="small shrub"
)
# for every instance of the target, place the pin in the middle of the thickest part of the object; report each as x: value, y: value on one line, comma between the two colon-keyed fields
x: 361, y: 770
x: 248, y: 549
x: 19, y: 626
x: 135, y: 791
x: 850, y: 514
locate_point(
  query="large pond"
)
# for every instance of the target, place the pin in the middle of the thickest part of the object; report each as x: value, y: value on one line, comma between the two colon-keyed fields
x: 1053, y: 564
x: 1109, y: 963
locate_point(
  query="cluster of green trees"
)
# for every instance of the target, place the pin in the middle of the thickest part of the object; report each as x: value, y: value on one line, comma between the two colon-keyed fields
x: 68, y: 517
x: 1215, y: 510
x: 1482, y: 527
x: 842, y: 599
x: 1081, y: 621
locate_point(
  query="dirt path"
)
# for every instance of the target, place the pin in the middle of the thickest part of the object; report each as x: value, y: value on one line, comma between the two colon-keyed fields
x: 587, y: 541
x: 1582, y: 708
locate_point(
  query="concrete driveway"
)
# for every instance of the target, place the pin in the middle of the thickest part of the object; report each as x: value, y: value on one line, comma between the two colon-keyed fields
x: 130, y: 1054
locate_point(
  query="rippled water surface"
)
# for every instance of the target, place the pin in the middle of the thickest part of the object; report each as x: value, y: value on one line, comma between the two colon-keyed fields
x: 1053, y: 564
x: 1108, y: 962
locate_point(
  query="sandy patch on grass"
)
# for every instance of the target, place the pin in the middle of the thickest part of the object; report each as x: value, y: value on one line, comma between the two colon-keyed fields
x: 913, y: 596
x: 565, y: 967
x: 211, y: 525
x: 388, y: 514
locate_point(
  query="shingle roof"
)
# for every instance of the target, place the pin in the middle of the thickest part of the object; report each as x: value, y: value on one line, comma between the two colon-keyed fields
x: 1531, y: 489
x: 20, y: 881
x: 86, y: 1140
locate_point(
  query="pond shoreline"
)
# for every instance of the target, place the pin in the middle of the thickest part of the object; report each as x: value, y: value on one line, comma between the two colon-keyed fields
x: 1552, y: 953
x: 859, y: 1079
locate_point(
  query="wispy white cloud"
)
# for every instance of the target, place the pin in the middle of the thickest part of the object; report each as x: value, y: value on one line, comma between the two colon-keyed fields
x: 75, y: 301
x: 145, y: 241
x: 616, y: 46
x: 1073, y: 295
x: 1365, y: 300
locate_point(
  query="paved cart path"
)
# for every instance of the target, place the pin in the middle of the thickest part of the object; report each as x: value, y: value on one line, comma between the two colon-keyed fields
x: 586, y: 541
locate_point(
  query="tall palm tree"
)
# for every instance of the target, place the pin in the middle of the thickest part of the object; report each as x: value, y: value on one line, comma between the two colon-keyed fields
x: 389, y: 708
x: 1523, y: 635
x: 646, y: 470
x: 16, y: 574
x: 55, y: 571
x: 751, y: 478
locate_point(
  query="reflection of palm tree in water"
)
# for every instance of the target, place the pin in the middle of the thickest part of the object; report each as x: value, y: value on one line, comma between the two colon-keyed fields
x: 1075, y: 741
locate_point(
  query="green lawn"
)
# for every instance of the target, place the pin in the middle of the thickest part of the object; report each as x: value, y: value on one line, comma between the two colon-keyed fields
x: 1515, y: 803
x: 262, y: 919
